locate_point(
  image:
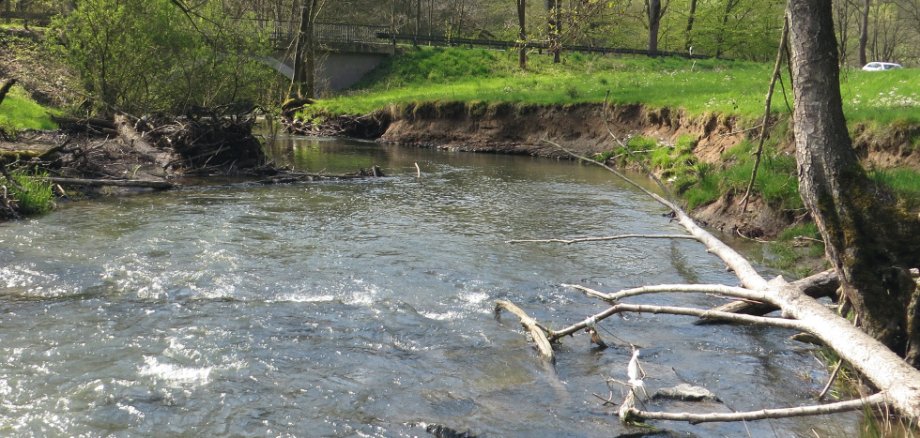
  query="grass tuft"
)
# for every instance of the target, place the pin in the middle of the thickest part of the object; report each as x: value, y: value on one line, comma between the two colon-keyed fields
x: 34, y: 195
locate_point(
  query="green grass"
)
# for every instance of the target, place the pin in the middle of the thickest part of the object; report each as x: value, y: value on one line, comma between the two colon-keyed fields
x: 696, y: 86
x: 34, y: 195
x: 19, y: 112
x: 700, y: 183
x: 905, y: 183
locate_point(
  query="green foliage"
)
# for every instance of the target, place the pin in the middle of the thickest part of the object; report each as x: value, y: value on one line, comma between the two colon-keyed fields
x: 34, y: 195
x: 19, y: 112
x: 147, y: 55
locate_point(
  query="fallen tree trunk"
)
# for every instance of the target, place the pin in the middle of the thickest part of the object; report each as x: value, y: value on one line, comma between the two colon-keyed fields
x: 130, y: 183
x: 823, y: 285
x: 896, y: 380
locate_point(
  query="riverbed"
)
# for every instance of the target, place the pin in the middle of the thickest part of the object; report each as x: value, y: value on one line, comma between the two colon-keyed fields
x: 364, y: 308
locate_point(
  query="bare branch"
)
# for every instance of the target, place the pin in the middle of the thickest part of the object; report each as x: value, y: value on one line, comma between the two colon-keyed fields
x: 718, y: 289
x: 766, y: 115
x: 536, y: 331
x: 831, y: 408
x: 603, y: 239
x: 685, y: 311
x: 830, y: 380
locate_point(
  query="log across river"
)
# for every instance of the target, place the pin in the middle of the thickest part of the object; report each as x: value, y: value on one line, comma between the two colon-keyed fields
x: 364, y: 308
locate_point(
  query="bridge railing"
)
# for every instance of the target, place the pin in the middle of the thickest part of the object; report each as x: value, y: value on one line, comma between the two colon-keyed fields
x: 327, y: 33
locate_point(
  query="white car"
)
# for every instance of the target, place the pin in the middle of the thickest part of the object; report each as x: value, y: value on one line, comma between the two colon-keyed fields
x: 881, y: 66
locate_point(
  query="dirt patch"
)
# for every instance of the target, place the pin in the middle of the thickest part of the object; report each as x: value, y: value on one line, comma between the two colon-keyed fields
x: 897, y: 145
x: 25, y: 57
x: 522, y: 129
x: 759, y: 221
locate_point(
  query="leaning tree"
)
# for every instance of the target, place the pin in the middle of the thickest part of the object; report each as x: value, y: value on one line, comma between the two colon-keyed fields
x: 869, y: 240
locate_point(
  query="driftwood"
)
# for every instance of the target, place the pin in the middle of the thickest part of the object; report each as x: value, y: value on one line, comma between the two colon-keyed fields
x: 129, y: 183
x: 898, y: 382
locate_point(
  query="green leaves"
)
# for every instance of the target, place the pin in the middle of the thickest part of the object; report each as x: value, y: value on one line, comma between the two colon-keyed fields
x: 149, y: 55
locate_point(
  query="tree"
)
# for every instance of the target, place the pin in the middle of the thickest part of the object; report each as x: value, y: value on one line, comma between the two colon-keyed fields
x: 303, y: 83
x: 688, y: 35
x: 522, y: 33
x: 871, y: 243
x: 864, y: 31
x: 554, y: 28
x: 654, y: 10
x: 149, y: 55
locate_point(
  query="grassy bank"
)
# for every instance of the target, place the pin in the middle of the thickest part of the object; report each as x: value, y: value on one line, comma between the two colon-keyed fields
x: 19, y: 112
x: 696, y: 86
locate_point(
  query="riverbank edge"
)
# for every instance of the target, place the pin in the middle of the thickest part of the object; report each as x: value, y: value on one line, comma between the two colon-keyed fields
x: 585, y: 129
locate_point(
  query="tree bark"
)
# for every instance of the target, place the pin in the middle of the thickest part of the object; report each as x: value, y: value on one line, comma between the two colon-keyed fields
x: 554, y: 28
x: 871, y: 244
x: 864, y: 32
x: 653, y: 9
x: 522, y: 33
x: 303, y: 84
x: 688, y: 34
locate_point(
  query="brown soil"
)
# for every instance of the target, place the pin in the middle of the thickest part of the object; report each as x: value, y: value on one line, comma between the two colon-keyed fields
x: 509, y: 128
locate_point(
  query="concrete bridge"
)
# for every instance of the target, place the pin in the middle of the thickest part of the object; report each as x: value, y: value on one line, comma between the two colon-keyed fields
x: 345, y: 53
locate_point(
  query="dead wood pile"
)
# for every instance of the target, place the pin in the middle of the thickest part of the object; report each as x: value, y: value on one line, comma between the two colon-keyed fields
x: 369, y: 126
x: 155, y: 147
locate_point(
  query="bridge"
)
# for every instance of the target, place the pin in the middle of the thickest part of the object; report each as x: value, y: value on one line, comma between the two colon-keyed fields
x: 345, y: 52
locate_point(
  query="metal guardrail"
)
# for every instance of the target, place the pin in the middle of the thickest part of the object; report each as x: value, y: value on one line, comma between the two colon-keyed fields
x: 498, y: 44
x: 327, y: 33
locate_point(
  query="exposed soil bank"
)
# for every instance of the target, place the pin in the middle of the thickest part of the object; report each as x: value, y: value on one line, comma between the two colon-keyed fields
x: 581, y: 128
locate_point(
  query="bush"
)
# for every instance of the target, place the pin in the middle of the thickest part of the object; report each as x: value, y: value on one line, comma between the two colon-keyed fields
x: 142, y: 56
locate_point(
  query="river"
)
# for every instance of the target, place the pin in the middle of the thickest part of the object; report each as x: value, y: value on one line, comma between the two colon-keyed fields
x: 364, y: 308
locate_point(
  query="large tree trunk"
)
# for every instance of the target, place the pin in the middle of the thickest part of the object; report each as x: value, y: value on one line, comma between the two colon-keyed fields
x: 653, y: 10
x: 522, y: 33
x: 871, y: 244
x: 864, y: 32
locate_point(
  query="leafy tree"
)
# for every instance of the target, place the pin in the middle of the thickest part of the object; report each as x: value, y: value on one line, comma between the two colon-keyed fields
x: 150, y: 55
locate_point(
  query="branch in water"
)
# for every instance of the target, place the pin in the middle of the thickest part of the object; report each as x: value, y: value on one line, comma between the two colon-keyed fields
x: 607, y: 238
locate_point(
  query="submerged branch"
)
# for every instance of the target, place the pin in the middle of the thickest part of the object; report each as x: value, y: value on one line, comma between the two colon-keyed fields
x: 536, y: 330
x: 764, y: 414
x: 603, y: 239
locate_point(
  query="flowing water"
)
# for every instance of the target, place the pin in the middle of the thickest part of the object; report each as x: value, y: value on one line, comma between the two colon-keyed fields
x: 364, y: 308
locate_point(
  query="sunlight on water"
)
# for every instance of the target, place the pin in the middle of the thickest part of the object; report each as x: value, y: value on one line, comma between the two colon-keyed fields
x: 361, y: 308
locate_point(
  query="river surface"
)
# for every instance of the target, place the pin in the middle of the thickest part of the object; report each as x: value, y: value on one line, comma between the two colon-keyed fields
x: 364, y: 308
